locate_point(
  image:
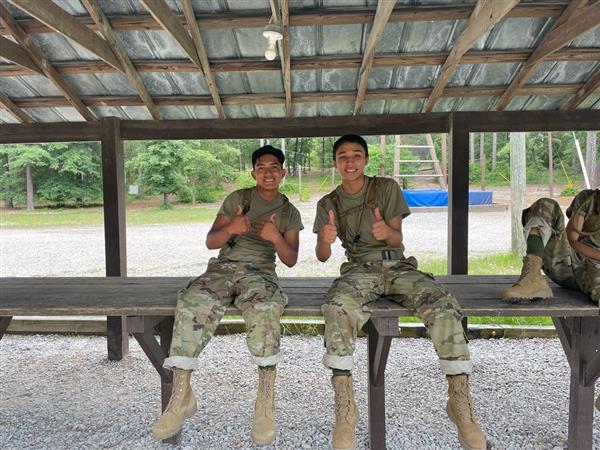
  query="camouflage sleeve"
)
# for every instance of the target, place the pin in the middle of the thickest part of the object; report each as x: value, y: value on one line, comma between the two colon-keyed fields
x: 295, y: 220
x: 391, y: 200
x: 578, y: 202
x: 229, y: 206
x: 322, y: 216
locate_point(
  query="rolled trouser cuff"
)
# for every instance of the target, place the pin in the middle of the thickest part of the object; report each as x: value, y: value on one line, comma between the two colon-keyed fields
x: 338, y: 362
x: 543, y: 226
x: 266, y: 361
x: 181, y: 362
x: 456, y: 367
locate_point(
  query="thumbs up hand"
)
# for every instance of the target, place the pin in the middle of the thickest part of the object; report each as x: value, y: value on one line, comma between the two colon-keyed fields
x: 329, y: 231
x: 267, y: 230
x: 240, y: 224
x: 381, y: 231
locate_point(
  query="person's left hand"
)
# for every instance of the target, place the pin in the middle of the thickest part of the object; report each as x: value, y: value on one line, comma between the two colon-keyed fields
x: 381, y: 231
x: 267, y: 230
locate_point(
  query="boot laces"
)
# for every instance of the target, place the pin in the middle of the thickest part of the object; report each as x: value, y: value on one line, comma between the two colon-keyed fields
x: 524, y: 271
x: 264, y: 392
x: 343, y: 402
x: 178, y: 389
x: 464, y: 409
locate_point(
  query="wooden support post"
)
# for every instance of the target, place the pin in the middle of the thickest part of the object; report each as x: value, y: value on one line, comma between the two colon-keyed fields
x: 4, y: 323
x: 518, y: 185
x: 580, y: 338
x: 381, y: 331
x: 494, y: 149
x: 458, y: 196
x: 115, y: 249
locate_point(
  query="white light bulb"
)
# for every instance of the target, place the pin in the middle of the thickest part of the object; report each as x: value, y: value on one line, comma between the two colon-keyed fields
x: 270, y: 52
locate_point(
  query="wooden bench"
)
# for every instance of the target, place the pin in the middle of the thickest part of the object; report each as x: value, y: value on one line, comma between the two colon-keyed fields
x: 150, y: 304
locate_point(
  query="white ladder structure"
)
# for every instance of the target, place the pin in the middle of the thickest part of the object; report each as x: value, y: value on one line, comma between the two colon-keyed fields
x: 433, y: 160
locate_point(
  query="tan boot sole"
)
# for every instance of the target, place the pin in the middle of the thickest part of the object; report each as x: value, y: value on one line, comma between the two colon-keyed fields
x: 186, y: 415
x: 454, y: 419
x: 542, y: 296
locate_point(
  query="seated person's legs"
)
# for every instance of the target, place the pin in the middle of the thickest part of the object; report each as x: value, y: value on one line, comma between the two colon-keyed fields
x: 200, y: 308
x: 345, y: 312
x: 262, y: 302
x: 441, y: 314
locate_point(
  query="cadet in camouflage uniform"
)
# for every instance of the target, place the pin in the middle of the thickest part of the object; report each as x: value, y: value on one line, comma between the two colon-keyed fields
x: 569, y: 256
x: 366, y: 214
x: 251, y: 226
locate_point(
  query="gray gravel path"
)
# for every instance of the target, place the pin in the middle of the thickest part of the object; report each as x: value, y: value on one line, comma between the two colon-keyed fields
x: 60, y: 392
x: 178, y: 249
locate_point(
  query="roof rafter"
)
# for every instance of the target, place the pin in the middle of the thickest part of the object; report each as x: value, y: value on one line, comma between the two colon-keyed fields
x: 593, y: 85
x: 320, y: 16
x: 64, y: 23
x: 281, y: 16
x: 486, y: 14
x: 15, y: 53
x: 127, y: 66
x: 49, y: 71
x: 382, y: 15
x: 314, y: 62
x: 16, y: 111
x: 203, y: 57
x: 165, y: 17
x: 575, y: 20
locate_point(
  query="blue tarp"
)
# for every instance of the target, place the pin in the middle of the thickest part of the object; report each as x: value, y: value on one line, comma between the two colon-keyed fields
x: 438, y: 197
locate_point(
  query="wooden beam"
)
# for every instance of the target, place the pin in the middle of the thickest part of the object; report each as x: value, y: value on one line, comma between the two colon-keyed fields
x: 15, y: 53
x: 593, y: 85
x: 64, y: 23
x: 574, y: 21
x: 486, y: 14
x: 8, y: 22
x: 100, y: 19
x: 553, y: 120
x: 9, y: 105
x: 49, y: 132
x: 277, y: 98
x: 167, y: 19
x: 382, y: 15
x: 284, y: 45
x: 203, y: 57
x: 313, y: 62
x: 308, y: 17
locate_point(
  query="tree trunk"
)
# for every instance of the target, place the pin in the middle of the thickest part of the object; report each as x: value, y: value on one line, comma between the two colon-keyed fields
x: 590, y: 158
x: 165, y: 199
x: 29, y: 181
x: 494, y: 149
x: 322, y: 156
x: 8, y: 200
x: 482, y: 159
x: 397, y: 158
x: 518, y: 195
x: 471, y: 147
x: 382, y: 164
x: 550, y: 166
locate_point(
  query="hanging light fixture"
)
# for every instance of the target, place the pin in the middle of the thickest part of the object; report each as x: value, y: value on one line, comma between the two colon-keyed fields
x: 273, y: 34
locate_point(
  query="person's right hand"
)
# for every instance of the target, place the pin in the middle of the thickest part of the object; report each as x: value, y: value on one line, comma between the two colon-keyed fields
x: 329, y: 231
x: 240, y: 224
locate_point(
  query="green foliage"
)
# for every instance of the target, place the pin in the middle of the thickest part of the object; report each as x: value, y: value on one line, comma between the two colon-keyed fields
x: 244, y: 180
x: 570, y: 190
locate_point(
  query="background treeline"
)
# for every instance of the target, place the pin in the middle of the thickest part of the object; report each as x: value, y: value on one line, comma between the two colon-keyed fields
x: 70, y: 174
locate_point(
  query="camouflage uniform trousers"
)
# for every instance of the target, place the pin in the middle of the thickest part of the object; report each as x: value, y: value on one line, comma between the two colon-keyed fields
x: 561, y: 263
x: 353, y: 295
x: 252, y: 287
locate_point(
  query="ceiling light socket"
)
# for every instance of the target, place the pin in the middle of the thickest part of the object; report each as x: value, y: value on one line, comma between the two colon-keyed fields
x: 273, y: 33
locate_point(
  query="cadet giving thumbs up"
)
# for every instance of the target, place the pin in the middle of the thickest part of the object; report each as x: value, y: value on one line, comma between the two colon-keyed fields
x: 267, y: 230
x: 380, y: 229
x: 329, y: 232
x: 240, y: 224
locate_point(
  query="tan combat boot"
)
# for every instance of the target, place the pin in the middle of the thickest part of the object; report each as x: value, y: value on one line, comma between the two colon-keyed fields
x: 182, y: 405
x: 531, y: 284
x: 460, y: 411
x: 346, y: 412
x: 263, y: 423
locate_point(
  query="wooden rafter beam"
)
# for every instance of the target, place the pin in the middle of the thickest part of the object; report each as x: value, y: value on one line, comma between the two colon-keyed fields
x: 64, y: 23
x: 574, y: 21
x: 318, y: 16
x: 168, y: 21
x: 8, y: 22
x: 100, y: 19
x: 300, y: 97
x: 203, y: 57
x: 15, y: 53
x: 593, y: 85
x: 486, y: 14
x: 313, y: 62
x: 15, y: 110
x: 382, y: 15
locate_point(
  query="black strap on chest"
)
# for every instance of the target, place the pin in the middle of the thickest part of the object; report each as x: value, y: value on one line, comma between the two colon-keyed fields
x: 370, y: 202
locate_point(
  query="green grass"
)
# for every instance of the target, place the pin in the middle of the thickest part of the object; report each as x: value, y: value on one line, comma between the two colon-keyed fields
x: 493, y: 264
x: 94, y: 216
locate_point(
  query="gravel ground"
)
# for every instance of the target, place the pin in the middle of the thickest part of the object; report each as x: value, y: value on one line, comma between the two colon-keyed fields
x: 62, y: 393
x: 178, y: 249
